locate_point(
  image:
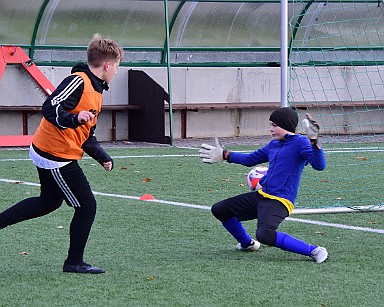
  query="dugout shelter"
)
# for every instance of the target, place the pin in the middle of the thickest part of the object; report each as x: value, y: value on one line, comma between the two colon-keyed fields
x: 216, y: 66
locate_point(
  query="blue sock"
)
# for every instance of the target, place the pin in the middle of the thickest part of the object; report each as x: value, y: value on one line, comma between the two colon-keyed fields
x: 288, y: 243
x: 237, y: 230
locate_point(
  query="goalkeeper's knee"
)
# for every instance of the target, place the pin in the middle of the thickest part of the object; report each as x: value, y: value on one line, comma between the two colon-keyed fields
x: 266, y: 236
x: 220, y: 211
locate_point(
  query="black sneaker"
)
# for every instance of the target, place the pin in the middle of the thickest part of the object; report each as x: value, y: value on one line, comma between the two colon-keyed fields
x: 82, y: 268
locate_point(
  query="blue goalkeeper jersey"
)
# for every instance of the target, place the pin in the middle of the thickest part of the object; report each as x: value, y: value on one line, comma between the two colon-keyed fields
x: 286, y: 159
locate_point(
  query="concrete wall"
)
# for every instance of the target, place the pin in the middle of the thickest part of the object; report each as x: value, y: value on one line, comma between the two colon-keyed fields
x: 212, y: 85
x: 17, y: 88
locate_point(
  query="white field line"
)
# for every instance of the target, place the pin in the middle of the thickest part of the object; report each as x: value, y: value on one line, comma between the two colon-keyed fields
x: 342, y: 226
x: 116, y: 157
x: 336, y: 225
x: 328, y: 151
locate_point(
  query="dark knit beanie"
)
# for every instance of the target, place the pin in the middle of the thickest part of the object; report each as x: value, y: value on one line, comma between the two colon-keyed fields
x: 285, y: 118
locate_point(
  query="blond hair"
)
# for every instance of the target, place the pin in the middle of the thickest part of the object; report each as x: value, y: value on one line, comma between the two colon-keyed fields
x: 103, y: 49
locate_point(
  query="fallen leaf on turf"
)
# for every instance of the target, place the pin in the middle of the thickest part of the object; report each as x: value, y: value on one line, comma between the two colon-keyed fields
x: 146, y: 180
x: 124, y: 167
x: 225, y: 179
x: 324, y: 180
x: 151, y: 278
x: 372, y: 222
x: 361, y: 158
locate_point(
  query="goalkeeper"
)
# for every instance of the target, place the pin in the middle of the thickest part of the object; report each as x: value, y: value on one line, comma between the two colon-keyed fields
x: 287, y: 154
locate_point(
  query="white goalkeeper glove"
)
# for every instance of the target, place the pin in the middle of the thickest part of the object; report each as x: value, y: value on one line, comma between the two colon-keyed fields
x: 213, y: 154
x: 311, y: 128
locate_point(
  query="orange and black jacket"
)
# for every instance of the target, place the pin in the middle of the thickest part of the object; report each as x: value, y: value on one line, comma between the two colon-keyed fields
x: 60, y: 136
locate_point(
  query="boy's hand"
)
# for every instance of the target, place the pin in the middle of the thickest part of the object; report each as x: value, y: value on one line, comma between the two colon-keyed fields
x: 85, y: 116
x: 311, y: 127
x: 108, y: 166
x: 210, y: 153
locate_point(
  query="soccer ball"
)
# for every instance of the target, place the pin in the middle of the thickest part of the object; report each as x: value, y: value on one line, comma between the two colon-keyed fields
x: 254, y: 176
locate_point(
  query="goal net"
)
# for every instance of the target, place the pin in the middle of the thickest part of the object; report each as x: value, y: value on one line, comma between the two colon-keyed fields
x: 336, y: 67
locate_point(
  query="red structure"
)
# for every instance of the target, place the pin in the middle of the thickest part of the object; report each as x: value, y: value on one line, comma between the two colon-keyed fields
x: 15, y: 55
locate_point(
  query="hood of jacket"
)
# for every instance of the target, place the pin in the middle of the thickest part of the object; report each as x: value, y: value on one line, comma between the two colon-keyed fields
x: 98, y: 84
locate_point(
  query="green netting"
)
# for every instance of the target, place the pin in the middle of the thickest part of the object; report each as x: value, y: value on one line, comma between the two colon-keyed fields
x: 341, y: 85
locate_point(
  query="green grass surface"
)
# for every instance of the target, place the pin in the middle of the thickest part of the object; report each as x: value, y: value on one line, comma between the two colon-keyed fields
x: 158, y: 254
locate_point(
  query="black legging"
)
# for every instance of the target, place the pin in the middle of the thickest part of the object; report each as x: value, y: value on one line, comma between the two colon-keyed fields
x: 66, y: 183
x: 249, y: 206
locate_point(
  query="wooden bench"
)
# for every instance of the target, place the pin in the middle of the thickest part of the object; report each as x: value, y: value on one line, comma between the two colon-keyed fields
x: 221, y: 106
x: 25, y: 138
x: 268, y: 105
x: 118, y: 108
x: 195, y: 107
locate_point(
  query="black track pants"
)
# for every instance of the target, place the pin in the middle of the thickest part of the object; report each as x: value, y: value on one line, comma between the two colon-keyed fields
x: 268, y: 212
x: 66, y: 183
